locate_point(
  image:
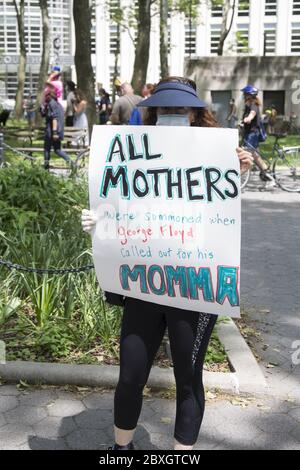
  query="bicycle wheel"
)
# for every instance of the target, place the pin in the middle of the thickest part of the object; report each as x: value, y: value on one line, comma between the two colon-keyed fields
x: 286, y: 170
x: 245, y: 178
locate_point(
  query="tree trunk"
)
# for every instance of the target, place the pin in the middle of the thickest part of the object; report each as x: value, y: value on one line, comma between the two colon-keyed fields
x: 225, y: 29
x: 142, y: 45
x: 45, y: 60
x: 164, y: 66
x: 83, y: 63
x: 20, y: 12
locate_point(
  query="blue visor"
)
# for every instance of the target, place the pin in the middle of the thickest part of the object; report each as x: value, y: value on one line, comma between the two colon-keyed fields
x: 173, y: 95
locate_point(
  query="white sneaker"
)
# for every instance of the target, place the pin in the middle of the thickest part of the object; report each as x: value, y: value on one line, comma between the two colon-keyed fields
x: 270, y: 185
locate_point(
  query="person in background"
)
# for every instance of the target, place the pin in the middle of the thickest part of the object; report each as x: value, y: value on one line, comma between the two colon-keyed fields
x: 80, y: 117
x: 53, y: 111
x: 272, y: 120
x: 71, y: 87
x: 31, y: 111
x: 232, y: 115
x: 104, y: 106
x: 148, y: 90
x: 24, y: 107
x: 124, y: 106
x: 251, y: 125
x: 55, y: 80
x: 138, y: 114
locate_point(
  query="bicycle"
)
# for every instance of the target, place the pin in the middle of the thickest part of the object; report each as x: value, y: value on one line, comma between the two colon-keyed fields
x: 292, y: 125
x: 284, y: 166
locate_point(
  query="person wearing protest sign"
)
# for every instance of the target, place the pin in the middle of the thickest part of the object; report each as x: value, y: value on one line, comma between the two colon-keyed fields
x: 174, y: 103
x: 252, y: 127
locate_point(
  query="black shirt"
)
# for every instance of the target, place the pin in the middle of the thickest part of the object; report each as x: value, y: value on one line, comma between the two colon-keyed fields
x: 255, y: 123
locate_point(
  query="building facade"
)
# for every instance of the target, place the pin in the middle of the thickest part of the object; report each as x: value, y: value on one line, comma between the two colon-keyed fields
x: 62, y: 41
x: 260, y: 28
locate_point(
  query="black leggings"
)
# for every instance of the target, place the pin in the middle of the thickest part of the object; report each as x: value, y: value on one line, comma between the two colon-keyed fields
x: 144, y: 325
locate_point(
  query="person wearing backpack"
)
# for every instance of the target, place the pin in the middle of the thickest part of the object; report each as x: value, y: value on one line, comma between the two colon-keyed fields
x: 123, y: 107
x: 254, y: 131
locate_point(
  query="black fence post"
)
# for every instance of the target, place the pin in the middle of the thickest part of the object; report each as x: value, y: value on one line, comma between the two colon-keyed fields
x: 1, y: 148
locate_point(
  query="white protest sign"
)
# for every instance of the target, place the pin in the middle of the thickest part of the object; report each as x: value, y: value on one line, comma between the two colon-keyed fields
x: 169, y: 215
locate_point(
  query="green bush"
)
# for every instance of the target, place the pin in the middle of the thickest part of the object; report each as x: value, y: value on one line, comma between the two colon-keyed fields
x: 52, y: 317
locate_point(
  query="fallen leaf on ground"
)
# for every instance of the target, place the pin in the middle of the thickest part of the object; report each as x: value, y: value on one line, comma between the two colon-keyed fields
x: 147, y: 392
x: 211, y: 396
x: 271, y: 365
x: 166, y: 420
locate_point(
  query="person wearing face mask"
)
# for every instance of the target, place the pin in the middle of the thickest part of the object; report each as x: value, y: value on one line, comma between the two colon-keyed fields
x: 174, y: 103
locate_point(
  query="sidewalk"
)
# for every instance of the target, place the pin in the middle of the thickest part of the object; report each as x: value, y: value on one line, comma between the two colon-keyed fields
x: 270, y: 284
x: 55, y: 419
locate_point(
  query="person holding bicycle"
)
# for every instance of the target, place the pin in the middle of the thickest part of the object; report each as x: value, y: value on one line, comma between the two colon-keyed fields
x: 251, y: 124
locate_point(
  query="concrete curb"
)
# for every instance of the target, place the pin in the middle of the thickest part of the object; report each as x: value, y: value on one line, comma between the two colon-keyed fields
x: 246, y: 378
x: 248, y: 375
x: 101, y: 376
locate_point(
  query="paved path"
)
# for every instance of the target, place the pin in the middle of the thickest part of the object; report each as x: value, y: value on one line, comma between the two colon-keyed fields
x: 55, y: 419
x: 271, y: 283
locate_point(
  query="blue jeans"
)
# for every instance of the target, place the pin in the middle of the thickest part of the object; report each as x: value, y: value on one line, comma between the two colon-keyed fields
x: 252, y: 139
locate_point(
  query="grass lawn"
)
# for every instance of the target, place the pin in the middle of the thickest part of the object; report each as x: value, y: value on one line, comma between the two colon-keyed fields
x: 289, y: 141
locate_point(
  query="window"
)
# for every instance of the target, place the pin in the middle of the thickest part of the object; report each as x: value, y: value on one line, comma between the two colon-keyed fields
x: 31, y: 84
x: 59, y: 12
x: 215, y: 34
x: 216, y: 8
x: 244, y: 8
x: 295, y: 39
x: 275, y: 98
x: 93, y: 39
x: 296, y: 7
x: 114, y: 36
x: 270, y: 39
x: 93, y: 29
x: 114, y: 28
x: 11, y: 85
x: 61, y: 32
x: 11, y: 35
x: 270, y: 7
x: 242, y: 36
x: 169, y: 38
x: 2, y: 34
x: 190, y: 38
x: 33, y: 35
x: 114, y: 6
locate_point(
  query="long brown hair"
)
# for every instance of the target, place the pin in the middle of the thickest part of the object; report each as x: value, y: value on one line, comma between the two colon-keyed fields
x: 255, y: 100
x: 203, y: 117
x: 79, y: 95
